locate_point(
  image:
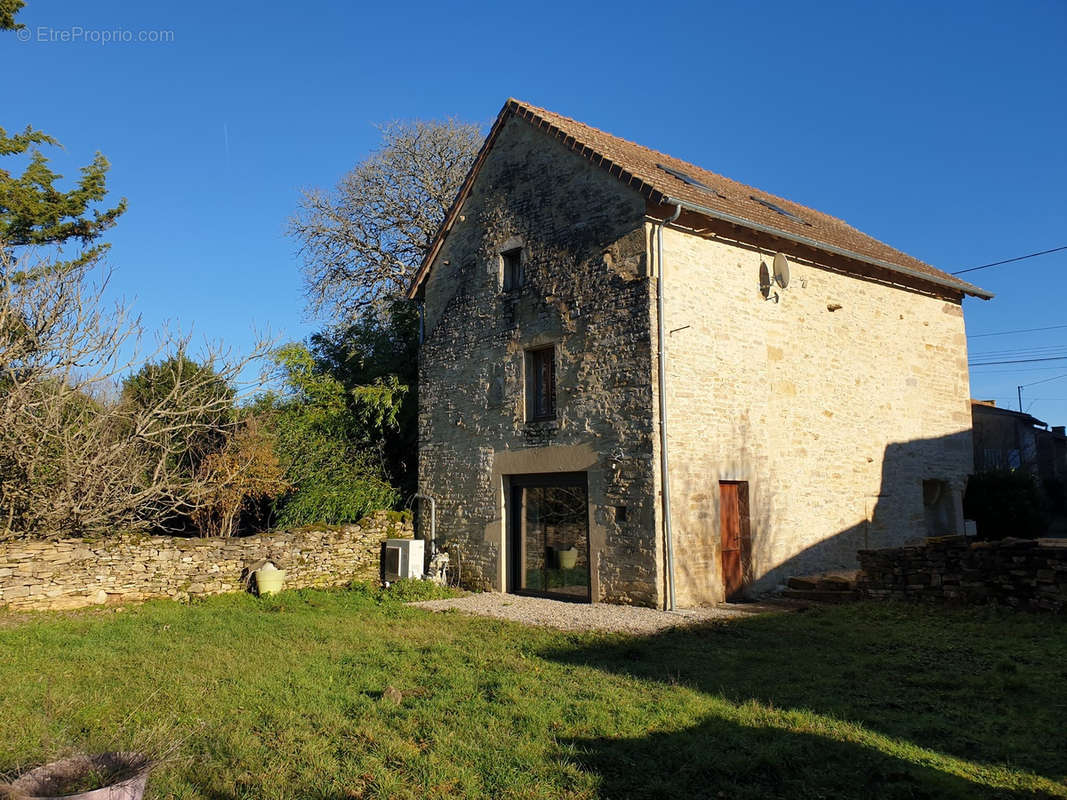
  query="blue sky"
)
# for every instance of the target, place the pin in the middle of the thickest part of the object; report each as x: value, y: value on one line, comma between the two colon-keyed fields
x: 937, y: 128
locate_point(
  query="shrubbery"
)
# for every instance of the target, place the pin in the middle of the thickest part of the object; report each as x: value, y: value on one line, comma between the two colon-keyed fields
x: 1005, y: 503
x: 407, y: 590
x: 332, y: 437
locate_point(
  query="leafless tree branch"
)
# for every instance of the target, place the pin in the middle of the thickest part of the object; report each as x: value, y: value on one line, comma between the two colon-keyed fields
x: 362, y: 242
x: 76, y: 457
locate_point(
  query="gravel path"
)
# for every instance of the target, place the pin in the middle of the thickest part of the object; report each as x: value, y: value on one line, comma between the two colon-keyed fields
x: 586, y: 617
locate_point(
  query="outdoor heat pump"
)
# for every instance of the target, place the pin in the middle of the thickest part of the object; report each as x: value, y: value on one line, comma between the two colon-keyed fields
x: 402, y: 558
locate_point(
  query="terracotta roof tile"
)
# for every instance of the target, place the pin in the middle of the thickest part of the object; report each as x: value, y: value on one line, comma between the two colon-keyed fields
x: 661, y: 177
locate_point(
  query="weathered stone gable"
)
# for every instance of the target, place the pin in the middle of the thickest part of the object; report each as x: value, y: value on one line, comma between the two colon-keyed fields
x: 586, y: 291
x: 834, y: 403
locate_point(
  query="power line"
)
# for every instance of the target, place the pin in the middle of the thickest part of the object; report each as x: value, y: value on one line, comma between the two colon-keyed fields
x: 1020, y: 352
x: 1020, y: 387
x: 1011, y: 260
x: 1046, y: 380
x: 1019, y: 370
x: 1020, y: 330
x: 1020, y: 348
x: 1018, y: 361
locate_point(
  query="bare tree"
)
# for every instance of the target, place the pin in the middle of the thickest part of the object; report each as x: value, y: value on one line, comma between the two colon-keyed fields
x: 75, y: 457
x: 362, y: 242
x: 237, y: 479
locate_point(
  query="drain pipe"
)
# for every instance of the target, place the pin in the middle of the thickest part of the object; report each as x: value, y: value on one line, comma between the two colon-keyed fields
x: 663, y: 461
x: 433, y: 522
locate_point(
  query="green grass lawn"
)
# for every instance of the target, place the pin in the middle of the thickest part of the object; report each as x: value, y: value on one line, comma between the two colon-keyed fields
x: 282, y: 698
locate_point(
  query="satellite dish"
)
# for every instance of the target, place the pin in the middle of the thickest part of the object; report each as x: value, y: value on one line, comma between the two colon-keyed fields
x: 781, y: 270
x: 764, y: 280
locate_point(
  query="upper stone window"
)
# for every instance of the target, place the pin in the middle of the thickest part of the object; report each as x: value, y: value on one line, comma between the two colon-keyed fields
x: 541, y: 384
x: 511, y: 269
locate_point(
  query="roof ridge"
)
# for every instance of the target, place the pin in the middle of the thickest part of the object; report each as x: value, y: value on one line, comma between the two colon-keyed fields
x: 660, y: 153
x: 655, y: 174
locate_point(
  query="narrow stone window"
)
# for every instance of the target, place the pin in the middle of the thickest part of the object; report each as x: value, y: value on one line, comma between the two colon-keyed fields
x: 511, y: 264
x: 541, y: 384
x: 938, y: 508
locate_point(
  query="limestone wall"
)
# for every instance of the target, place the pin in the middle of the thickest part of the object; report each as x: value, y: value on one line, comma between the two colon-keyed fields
x: 1020, y: 573
x: 834, y: 403
x: 586, y: 292
x: 77, y: 572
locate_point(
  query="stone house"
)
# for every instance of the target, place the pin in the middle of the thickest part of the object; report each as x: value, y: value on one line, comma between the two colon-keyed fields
x: 642, y: 382
x: 1006, y: 439
x: 1003, y: 439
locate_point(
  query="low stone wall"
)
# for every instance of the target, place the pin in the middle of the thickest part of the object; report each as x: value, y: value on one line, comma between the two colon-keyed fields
x: 71, y: 573
x: 1022, y: 573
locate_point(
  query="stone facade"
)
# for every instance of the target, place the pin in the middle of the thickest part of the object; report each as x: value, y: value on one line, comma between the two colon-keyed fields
x: 71, y: 573
x: 834, y: 418
x: 1004, y: 439
x: 1019, y: 573
x: 586, y: 292
x: 834, y: 403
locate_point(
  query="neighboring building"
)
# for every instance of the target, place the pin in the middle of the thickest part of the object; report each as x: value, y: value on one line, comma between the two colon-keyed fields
x: 1003, y: 439
x: 807, y: 416
x: 1052, y: 453
x: 1007, y: 440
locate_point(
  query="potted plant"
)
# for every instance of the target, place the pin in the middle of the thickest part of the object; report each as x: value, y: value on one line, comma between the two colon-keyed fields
x: 106, y: 776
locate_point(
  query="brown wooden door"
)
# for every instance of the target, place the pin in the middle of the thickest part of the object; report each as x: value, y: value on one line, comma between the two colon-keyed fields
x: 733, y: 521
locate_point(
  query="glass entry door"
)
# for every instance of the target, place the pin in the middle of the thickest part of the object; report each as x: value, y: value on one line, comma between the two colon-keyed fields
x: 548, y: 540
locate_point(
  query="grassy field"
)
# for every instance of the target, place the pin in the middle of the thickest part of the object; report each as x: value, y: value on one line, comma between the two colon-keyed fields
x: 283, y: 698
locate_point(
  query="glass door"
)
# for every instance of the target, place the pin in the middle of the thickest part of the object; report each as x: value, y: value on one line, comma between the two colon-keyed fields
x: 549, y: 536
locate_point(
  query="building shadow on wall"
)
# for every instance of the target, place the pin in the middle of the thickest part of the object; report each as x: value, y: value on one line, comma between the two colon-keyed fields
x: 916, y: 495
x: 825, y: 672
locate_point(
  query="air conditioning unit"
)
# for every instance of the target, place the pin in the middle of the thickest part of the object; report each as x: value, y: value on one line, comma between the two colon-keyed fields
x: 402, y: 558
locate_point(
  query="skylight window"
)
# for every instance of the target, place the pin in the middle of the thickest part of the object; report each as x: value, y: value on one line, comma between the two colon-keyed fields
x: 684, y: 178
x: 779, y: 209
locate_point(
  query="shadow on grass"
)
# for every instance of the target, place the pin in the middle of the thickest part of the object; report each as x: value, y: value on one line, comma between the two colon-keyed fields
x: 721, y: 759
x: 900, y: 684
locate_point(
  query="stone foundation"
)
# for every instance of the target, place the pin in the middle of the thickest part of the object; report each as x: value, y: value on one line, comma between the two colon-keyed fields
x: 71, y: 573
x: 1020, y: 573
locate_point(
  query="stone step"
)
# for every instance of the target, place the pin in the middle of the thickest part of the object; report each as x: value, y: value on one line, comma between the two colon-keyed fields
x: 836, y: 583
x: 823, y: 583
x: 821, y: 595
x: 815, y: 584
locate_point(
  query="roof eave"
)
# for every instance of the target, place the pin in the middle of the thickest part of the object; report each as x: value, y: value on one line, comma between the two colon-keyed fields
x: 514, y: 107
x: 959, y: 286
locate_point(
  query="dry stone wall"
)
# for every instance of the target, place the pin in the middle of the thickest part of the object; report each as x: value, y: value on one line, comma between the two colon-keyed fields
x: 1021, y: 573
x: 71, y: 573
